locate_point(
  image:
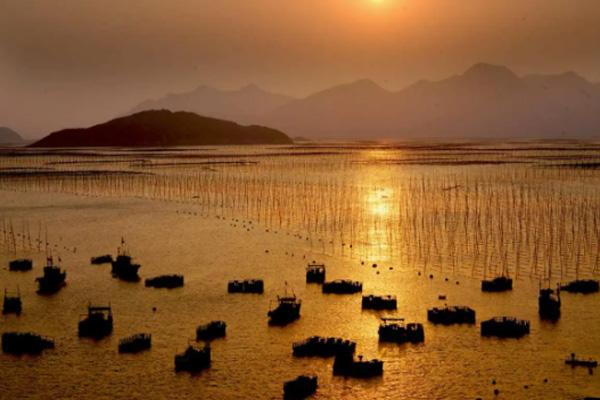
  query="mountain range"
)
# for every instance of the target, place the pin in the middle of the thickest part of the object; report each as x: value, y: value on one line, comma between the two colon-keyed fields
x: 486, y: 101
x: 9, y: 137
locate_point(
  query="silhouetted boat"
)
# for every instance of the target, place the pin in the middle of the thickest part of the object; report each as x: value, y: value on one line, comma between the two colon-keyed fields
x: 210, y: 331
x: 505, y: 327
x: 315, y: 273
x: 451, y: 315
x: 345, y: 365
x: 584, y: 286
x: 12, y: 303
x: 52, y: 280
x: 387, y: 302
x: 577, y: 362
x: 194, y: 358
x: 394, y: 330
x: 135, y: 343
x: 246, y: 286
x: 122, y: 267
x: 300, y: 388
x: 97, y: 323
x: 498, y: 284
x: 342, y: 286
x: 316, y: 346
x: 549, y: 304
x: 25, y: 343
x: 287, y: 310
x: 23, y: 264
x: 165, y: 281
x: 104, y: 259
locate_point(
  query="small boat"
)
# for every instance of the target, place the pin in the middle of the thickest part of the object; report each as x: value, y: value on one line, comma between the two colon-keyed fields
x: 135, y: 343
x: 451, y: 315
x: 12, y: 303
x: 346, y: 365
x: 505, y: 327
x: 441, y: 297
x: 549, y: 304
x: 123, y: 267
x: 287, y: 310
x: 395, y: 330
x: 315, y: 273
x: 210, y: 331
x: 577, y: 362
x: 53, y: 279
x: 342, y: 286
x: 193, y: 359
x: 300, y: 388
x: 387, y: 302
x: 498, y: 284
x: 316, y: 346
x: 97, y: 323
x: 246, y: 286
x: 584, y: 286
x: 165, y: 281
x: 104, y: 259
x: 22, y: 265
x: 25, y: 343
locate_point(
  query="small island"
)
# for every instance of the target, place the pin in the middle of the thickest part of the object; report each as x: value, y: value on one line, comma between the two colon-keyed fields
x: 163, y: 128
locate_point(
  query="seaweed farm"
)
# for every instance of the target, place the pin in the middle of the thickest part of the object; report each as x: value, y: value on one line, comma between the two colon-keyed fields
x: 423, y: 222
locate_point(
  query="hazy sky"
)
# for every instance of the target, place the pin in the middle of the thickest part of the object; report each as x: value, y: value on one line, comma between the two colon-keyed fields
x: 71, y: 62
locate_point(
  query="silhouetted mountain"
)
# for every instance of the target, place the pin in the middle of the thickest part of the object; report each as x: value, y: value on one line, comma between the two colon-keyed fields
x: 245, y: 105
x: 8, y: 136
x: 163, y: 128
x: 485, y: 101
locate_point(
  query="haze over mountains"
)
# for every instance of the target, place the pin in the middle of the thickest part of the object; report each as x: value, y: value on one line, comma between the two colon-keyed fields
x: 9, y: 137
x: 486, y: 101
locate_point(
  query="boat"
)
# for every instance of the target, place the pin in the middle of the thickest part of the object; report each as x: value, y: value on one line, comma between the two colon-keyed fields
x: 25, y: 343
x: 451, y: 315
x: 549, y: 304
x: 97, y: 323
x: 315, y: 273
x: 287, y: 310
x: 300, y: 388
x: 395, y: 330
x: 317, y: 346
x: 165, y: 281
x: 53, y: 279
x: 505, y: 327
x: 210, y: 331
x: 104, y: 259
x: 577, y: 362
x: 345, y: 365
x: 123, y: 267
x: 246, y: 286
x: 193, y: 359
x: 498, y: 284
x: 372, y: 302
x: 135, y: 343
x: 12, y: 303
x: 584, y: 286
x: 342, y: 286
x: 22, y: 264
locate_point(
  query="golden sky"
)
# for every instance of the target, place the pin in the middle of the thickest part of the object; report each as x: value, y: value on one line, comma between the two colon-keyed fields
x: 55, y: 55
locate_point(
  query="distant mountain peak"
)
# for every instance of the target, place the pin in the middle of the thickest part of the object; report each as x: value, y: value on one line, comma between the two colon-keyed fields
x: 488, y: 72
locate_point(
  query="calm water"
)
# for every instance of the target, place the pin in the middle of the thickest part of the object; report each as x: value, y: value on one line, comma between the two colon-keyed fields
x: 457, y: 212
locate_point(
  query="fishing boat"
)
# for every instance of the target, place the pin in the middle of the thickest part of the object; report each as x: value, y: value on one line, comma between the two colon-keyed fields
x: 25, y: 343
x: 498, y: 284
x: 210, y: 331
x: 578, y: 362
x: 451, y: 315
x: 317, y: 346
x: 345, y: 365
x: 193, y: 359
x: 256, y: 286
x: 12, y: 303
x: 97, y: 323
x: 372, y: 302
x: 315, y: 273
x: 505, y: 327
x: 165, y: 281
x: 53, y: 279
x: 135, y: 343
x: 342, y: 286
x: 286, y: 311
x: 395, y: 330
x: 122, y: 267
x: 300, y: 388
x: 549, y: 303
x: 21, y: 265
x: 584, y: 286
x: 103, y: 259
